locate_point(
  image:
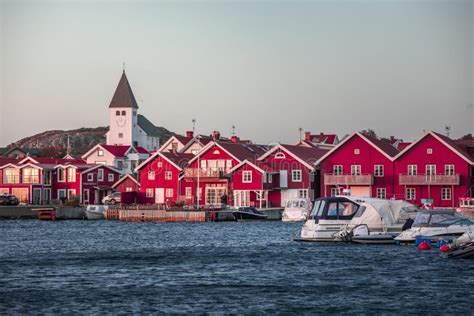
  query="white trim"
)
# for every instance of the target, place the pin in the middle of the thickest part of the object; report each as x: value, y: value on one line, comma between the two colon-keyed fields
x: 87, y: 154
x: 247, y: 174
x: 123, y: 178
x: 293, y: 175
x: 330, y: 152
x: 88, y: 195
x: 27, y: 158
x: 158, y: 153
x: 30, y: 165
x: 439, y: 139
x: 100, y: 166
x: 168, y: 142
x: 246, y: 162
x: 209, y: 146
x: 283, y: 148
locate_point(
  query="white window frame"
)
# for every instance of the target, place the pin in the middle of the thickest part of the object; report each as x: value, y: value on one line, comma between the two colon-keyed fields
x: 61, y: 171
x: 446, y: 194
x: 71, y: 174
x: 296, y: 175
x: 303, y: 193
x: 128, y: 189
x: 449, y: 170
x: 246, y: 176
x: 100, y: 174
x: 69, y: 191
x: 429, y: 151
x: 159, y: 164
x: 280, y: 155
x: 151, y: 175
x: 337, y: 170
x: 381, y: 193
x: 149, y: 193
x: 431, y: 168
x: 379, y: 170
x: 335, y: 191
x: 111, y: 177
x: 356, y: 151
x: 356, y: 168
x: 169, y: 192
x: 100, y: 153
x: 269, y: 177
x: 410, y: 194
x: 188, y: 192
x: 168, y: 175
x: 59, y: 193
x: 90, y: 177
x: 412, y: 170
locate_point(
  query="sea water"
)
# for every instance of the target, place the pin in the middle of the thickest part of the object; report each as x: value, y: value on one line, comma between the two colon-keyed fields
x: 234, y: 267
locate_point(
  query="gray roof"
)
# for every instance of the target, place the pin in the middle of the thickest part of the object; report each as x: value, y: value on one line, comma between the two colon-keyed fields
x: 123, y: 96
x: 148, y: 126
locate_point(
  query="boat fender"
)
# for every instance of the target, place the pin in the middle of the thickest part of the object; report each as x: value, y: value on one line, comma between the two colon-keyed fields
x: 424, y: 246
x: 444, y: 248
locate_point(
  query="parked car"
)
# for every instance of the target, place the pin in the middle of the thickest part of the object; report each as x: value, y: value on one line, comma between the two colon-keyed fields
x: 113, y: 198
x: 8, y: 199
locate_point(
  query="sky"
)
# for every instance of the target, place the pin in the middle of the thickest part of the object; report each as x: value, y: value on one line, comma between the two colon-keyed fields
x: 267, y: 67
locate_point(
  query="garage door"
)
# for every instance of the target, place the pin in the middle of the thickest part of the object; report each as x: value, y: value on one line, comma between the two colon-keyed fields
x: 360, y: 191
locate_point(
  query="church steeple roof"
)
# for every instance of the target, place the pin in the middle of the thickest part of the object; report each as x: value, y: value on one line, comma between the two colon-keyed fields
x: 123, y: 96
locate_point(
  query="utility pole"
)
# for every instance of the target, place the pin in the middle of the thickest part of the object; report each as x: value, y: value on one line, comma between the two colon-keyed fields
x: 447, y: 129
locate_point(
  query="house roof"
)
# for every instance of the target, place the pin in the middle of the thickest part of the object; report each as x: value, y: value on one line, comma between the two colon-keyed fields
x: 306, y: 155
x: 383, y: 146
x: 123, y: 96
x: 116, y: 150
x: 148, y: 126
x: 178, y: 159
x: 7, y: 160
x: 127, y: 176
x: 243, y: 151
x: 401, y: 146
x: 141, y: 150
x: 259, y: 165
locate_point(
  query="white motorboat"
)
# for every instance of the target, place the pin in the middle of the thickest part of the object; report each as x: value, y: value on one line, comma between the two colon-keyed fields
x: 296, y: 210
x: 466, y: 207
x: 436, y: 223
x: 96, y: 211
x: 461, y: 248
x: 378, y: 221
x: 328, y: 217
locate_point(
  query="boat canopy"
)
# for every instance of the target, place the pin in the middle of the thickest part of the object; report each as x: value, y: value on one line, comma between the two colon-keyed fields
x: 440, y: 219
x: 378, y: 213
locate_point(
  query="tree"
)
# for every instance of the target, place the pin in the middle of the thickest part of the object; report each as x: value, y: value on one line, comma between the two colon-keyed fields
x: 467, y: 136
x: 369, y: 132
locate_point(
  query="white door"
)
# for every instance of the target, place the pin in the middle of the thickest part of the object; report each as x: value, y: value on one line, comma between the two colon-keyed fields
x: 360, y: 191
x: 283, y: 178
x: 159, y: 195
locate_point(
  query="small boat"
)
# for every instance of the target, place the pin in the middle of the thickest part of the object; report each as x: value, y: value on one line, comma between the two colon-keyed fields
x: 466, y: 207
x: 437, y: 224
x: 248, y: 213
x: 296, y: 210
x: 362, y: 235
x: 94, y: 212
x: 461, y: 248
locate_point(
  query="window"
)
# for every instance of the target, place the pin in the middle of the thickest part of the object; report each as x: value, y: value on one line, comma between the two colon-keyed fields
x: 189, y: 192
x: 71, y: 175
x: 296, y: 175
x: 445, y: 194
x: 204, y: 164
x: 123, y: 113
x: 61, y: 175
x: 159, y: 164
x: 100, y: 175
x: 151, y: 175
x: 169, y: 193
x: 111, y: 177
x: 61, y: 194
x: 430, y: 170
x: 71, y: 193
x: 228, y: 164
x: 280, y: 155
x: 412, y: 170
x: 117, y: 113
x: 269, y: 178
x: 410, y: 194
x: 449, y: 170
x: 378, y: 170
x: 246, y: 176
x: 168, y: 175
x: 429, y: 151
x: 100, y: 152
x: 381, y: 193
x: 149, y: 193
x: 303, y: 194
x: 85, y: 195
x: 337, y: 170
x: 174, y: 146
x: 356, y: 151
x: 30, y: 175
x: 120, y: 135
x: 355, y: 170
x: 335, y: 191
x: 128, y: 189
x: 119, y: 164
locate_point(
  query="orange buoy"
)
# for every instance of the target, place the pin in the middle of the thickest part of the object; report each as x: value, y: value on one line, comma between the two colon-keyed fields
x: 444, y: 248
x: 424, y: 246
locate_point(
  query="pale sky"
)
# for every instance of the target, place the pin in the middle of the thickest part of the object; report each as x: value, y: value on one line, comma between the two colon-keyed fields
x: 267, y: 67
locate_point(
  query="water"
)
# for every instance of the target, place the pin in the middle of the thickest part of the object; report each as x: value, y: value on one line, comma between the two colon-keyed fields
x: 251, y: 267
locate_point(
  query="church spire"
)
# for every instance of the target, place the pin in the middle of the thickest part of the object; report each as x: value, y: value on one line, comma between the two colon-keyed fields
x: 123, y: 96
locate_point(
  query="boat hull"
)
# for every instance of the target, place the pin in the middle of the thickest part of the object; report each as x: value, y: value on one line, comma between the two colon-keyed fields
x: 92, y: 215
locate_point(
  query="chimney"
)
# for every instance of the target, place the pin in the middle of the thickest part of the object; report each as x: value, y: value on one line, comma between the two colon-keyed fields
x: 392, y: 138
x: 216, y: 135
x: 307, y: 135
x: 189, y: 134
x: 321, y: 135
x: 234, y: 139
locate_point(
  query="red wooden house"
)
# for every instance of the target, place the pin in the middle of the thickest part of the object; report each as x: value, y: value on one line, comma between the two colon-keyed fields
x: 361, y: 164
x: 160, y: 177
x: 434, y: 169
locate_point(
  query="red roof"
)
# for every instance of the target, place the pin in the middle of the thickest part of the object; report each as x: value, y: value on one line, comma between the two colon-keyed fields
x: 401, y: 146
x: 457, y: 146
x: 116, y: 150
x: 383, y: 146
x: 7, y: 160
x: 142, y: 150
x: 244, y: 151
x: 308, y: 154
x: 183, y: 139
x: 180, y: 159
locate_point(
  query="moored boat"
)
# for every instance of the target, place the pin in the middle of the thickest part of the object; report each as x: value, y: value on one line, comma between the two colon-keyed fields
x: 248, y: 213
x: 296, y: 210
x: 94, y: 212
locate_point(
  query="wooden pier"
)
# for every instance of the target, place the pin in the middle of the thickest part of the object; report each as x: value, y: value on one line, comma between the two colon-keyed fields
x: 161, y: 216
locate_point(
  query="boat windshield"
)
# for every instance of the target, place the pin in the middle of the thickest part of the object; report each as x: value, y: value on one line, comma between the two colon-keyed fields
x: 442, y: 219
x: 318, y: 208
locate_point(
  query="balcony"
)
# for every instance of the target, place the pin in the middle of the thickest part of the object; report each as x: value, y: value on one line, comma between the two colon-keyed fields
x: 422, y: 179
x: 205, y: 173
x: 349, y: 179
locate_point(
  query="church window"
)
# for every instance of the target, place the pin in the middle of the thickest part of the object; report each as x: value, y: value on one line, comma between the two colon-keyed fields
x: 117, y: 113
x: 120, y: 135
x: 123, y: 113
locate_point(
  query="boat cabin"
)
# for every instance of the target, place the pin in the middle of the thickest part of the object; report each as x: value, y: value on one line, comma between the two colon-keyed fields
x: 439, y: 218
x: 334, y: 208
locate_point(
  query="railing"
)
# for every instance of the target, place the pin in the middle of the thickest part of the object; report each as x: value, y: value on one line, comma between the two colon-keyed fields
x: 348, y: 179
x: 205, y: 173
x: 424, y: 179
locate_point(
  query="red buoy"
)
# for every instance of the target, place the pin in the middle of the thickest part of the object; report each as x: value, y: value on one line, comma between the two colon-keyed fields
x: 424, y: 246
x: 444, y: 248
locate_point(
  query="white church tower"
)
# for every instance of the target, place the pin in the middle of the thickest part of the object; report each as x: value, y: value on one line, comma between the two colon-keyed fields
x: 123, y: 115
